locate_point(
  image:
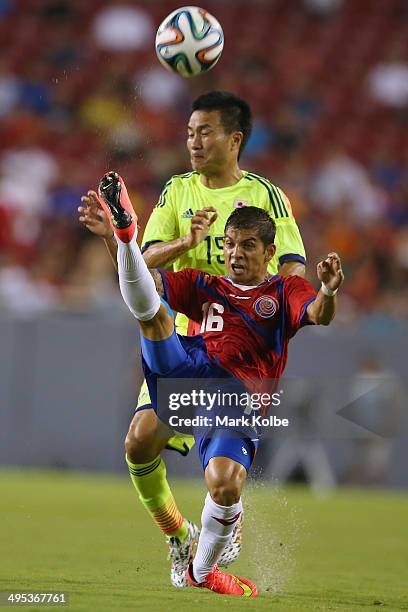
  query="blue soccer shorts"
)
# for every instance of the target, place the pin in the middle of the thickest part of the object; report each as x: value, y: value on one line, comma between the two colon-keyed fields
x: 182, y: 357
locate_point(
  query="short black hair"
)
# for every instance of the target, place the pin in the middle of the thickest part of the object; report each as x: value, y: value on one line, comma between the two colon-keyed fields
x: 235, y: 113
x: 252, y: 217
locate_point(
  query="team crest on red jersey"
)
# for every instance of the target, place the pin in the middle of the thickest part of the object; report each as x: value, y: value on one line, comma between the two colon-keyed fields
x: 266, y: 306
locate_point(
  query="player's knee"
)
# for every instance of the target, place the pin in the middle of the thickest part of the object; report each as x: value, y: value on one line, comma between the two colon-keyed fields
x: 225, y: 480
x: 141, y: 437
x: 225, y: 493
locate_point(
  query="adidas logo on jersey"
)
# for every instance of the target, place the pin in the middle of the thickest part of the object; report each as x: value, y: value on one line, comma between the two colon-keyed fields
x: 187, y: 214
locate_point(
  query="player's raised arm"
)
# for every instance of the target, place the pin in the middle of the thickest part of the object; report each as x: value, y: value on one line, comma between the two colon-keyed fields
x: 322, y: 310
x: 159, y: 254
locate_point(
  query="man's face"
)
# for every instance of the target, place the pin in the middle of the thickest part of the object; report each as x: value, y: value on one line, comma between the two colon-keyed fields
x: 209, y: 146
x: 246, y: 257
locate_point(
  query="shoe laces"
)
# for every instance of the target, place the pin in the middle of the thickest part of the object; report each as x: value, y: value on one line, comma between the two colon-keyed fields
x: 219, y: 579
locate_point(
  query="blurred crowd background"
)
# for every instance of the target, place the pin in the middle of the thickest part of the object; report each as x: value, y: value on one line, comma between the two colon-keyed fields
x: 81, y: 91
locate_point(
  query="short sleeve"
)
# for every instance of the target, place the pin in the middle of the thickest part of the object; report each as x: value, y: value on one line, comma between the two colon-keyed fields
x: 162, y: 225
x: 181, y: 291
x: 288, y: 241
x: 289, y: 244
x: 298, y: 293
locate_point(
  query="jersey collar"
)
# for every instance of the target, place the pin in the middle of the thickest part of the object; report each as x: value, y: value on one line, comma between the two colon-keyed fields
x: 223, y: 189
x: 248, y: 287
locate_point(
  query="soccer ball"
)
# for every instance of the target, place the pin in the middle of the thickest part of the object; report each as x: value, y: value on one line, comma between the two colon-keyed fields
x: 189, y: 41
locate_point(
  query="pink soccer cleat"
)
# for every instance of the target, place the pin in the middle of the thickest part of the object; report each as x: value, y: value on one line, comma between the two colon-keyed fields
x: 114, y: 199
x: 223, y: 583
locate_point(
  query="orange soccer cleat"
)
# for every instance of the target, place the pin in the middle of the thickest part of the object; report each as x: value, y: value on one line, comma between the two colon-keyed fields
x: 114, y: 199
x: 223, y: 583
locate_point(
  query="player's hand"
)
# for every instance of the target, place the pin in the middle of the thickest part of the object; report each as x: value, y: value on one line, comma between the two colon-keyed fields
x: 329, y: 271
x: 93, y: 217
x: 200, y: 225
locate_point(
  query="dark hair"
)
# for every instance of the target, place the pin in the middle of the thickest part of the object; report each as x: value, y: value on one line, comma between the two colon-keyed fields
x: 252, y: 217
x: 235, y: 113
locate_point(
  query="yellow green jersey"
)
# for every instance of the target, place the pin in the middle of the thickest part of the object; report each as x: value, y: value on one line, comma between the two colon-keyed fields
x: 184, y: 194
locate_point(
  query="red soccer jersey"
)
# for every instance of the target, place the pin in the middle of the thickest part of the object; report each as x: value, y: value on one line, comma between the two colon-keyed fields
x: 246, y: 330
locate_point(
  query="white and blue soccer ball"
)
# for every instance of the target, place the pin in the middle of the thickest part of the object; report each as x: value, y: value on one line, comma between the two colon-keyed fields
x: 189, y: 41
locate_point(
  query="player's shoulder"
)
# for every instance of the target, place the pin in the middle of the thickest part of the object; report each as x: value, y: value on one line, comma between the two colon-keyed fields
x: 195, y: 276
x: 278, y: 201
x: 174, y: 184
x: 203, y: 280
x: 211, y: 284
x: 187, y: 178
x: 258, y: 178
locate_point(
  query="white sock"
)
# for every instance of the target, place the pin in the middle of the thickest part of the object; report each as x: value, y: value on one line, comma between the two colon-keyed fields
x: 214, y: 535
x: 135, y: 281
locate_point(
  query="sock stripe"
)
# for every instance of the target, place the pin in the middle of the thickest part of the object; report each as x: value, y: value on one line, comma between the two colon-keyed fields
x: 149, y: 480
x: 167, y: 511
x: 168, y: 517
x: 143, y: 471
x: 230, y: 521
x: 170, y: 524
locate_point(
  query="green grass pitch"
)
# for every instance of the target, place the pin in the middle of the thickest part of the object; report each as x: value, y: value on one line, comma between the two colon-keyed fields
x: 88, y: 535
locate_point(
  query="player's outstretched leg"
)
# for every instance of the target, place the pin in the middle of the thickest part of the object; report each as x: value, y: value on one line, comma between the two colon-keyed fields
x: 136, y: 283
x: 147, y: 469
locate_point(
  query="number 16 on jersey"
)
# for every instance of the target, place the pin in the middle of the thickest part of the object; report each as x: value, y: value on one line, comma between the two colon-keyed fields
x: 212, y: 321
